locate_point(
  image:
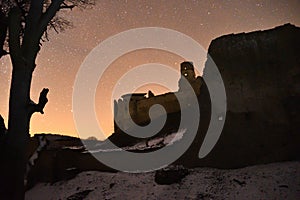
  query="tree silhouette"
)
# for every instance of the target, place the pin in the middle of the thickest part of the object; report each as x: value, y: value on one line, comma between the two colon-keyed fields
x: 24, y: 24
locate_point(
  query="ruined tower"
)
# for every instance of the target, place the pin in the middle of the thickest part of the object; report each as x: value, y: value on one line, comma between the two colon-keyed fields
x: 188, y: 72
x: 138, y: 104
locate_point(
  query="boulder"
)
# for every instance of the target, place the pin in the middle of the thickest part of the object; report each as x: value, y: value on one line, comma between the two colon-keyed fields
x: 170, y: 175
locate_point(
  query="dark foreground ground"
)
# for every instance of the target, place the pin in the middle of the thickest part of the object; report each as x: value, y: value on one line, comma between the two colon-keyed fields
x: 271, y: 181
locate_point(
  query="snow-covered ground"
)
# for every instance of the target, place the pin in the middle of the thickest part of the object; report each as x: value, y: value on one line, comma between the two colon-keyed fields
x: 271, y: 181
x: 153, y: 143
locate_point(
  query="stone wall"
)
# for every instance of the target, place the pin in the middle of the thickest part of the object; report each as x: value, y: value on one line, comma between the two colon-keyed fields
x: 261, y: 74
x: 139, y: 104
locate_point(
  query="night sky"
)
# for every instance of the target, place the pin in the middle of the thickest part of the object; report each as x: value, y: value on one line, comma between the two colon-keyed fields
x: 61, y: 57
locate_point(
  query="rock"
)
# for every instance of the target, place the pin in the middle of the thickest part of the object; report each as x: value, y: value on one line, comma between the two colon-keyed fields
x: 62, y: 159
x: 261, y: 74
x: 170, y: 175
x: 111, y: 185
x: 241, y: 183
x: 79, y: 195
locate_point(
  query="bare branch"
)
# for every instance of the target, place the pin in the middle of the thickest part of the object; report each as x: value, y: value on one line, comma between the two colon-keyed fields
x: 33, y: 17
x: 14, y: 28
x: 66, y: 6
x: 35, y: 12
x: 54, y: 27
x: 31, y: 37
x: 38, y: 16
x: 3, y: 33
x: 42, y: 103
x: 50, y: 13
x: 82, y: 4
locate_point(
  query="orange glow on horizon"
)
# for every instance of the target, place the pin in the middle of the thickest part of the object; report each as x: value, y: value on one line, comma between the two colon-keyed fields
x: 61, y: 57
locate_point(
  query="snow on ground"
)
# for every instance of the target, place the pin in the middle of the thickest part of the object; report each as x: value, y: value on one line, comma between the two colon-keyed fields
x: 271, y: 181
x: 156, y: 142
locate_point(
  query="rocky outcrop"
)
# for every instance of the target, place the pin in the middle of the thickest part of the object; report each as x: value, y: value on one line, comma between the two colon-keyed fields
x: 261, y: 74
x: 61, y: 159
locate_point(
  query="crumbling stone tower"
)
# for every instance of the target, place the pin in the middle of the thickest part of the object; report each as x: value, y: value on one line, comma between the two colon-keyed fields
x: 188, y: 72
x: 138, y: 104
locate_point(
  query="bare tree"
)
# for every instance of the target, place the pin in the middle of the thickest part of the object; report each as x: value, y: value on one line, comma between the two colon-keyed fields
x: 24, y: 24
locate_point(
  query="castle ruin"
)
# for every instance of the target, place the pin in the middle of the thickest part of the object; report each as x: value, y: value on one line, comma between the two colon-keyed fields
x: 138, y: 104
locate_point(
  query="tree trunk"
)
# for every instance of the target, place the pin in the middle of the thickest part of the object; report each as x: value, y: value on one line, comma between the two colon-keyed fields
x: 14, y: 163
x: 23, y: 54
